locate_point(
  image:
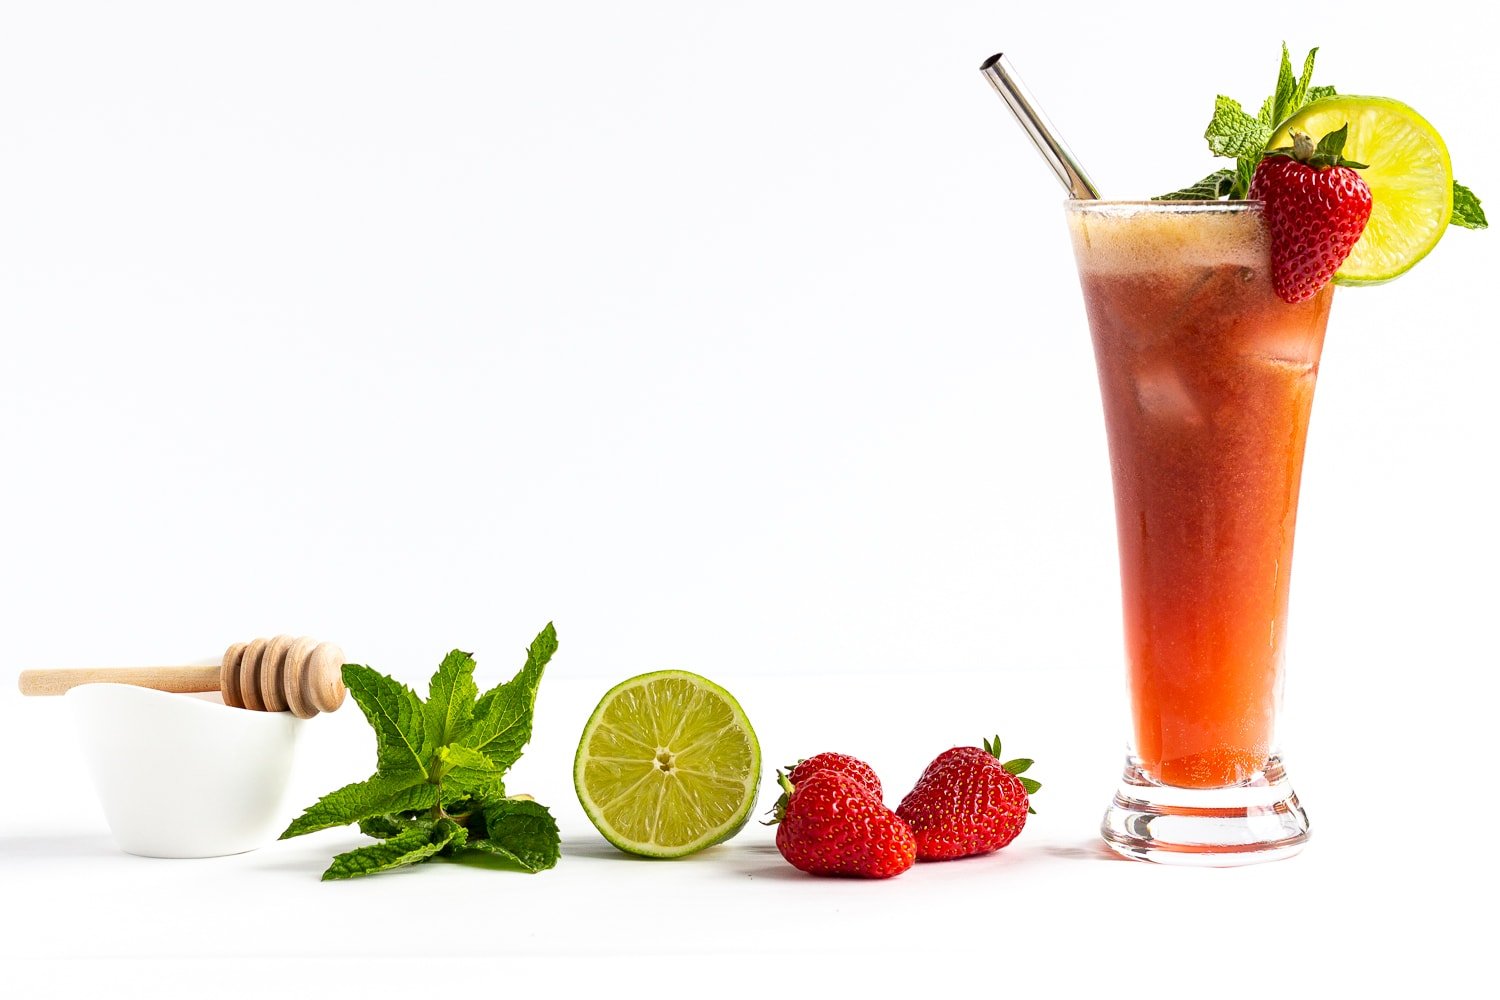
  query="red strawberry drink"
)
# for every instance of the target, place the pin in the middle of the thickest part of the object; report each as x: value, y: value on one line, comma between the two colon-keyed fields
x: 1208, y: 318
x: 1207, y: 380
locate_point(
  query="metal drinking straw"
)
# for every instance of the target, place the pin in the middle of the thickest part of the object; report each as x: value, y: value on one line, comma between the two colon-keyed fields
x: 1002, y: 76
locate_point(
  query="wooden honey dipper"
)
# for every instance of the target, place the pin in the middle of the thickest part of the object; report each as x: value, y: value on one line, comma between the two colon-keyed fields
x: 282, y: 674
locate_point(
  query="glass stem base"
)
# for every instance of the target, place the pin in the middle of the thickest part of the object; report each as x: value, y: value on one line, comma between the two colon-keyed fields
x: 1257, y: 820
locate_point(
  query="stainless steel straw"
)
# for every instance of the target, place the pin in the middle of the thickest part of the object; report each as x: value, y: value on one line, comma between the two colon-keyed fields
x: 1002, y: 76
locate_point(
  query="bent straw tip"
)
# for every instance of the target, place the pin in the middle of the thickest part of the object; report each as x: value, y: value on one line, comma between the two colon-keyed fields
x: 992, y: 60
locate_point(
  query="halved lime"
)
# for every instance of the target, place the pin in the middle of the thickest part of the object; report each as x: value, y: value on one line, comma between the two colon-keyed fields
x: 1410, y: 178
x: 667, y: 765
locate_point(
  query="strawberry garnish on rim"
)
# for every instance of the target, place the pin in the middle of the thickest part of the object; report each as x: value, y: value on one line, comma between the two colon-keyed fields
x: 1316, y: 208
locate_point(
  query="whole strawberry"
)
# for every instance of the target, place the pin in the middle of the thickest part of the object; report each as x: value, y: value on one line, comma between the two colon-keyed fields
x: 834, y: 825
x: 1316, y: 210
x: 968, y: 802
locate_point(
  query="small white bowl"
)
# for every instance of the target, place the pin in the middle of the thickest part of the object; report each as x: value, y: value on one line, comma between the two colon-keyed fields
x: 185, y: 776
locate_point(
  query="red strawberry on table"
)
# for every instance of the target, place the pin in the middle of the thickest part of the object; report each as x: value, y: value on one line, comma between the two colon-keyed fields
x: 834, y: 825
x: 968, y: 802
x: 1316, y: 210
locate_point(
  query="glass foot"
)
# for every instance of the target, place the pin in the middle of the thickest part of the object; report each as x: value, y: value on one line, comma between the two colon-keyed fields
x: 1245, y: 824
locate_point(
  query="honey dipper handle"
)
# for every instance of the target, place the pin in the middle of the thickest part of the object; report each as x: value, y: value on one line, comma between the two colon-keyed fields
x: 174, y: 679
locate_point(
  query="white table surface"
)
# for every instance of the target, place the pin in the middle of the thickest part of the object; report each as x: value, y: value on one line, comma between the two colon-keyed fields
x: 1371, y: 899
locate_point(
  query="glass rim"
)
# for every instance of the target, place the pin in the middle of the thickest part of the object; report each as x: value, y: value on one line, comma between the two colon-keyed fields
x: 1207, y: 206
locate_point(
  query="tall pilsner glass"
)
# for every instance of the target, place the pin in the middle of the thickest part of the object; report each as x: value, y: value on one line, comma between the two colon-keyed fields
x: 1207, y: 379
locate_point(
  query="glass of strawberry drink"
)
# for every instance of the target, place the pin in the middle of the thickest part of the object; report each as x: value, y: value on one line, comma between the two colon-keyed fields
x: 1207, y: 380
x: 1207, y: 351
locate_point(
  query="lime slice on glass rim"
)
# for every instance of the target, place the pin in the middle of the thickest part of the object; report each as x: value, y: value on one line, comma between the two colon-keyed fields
x: 668, y: 765
x: 1410, y: 179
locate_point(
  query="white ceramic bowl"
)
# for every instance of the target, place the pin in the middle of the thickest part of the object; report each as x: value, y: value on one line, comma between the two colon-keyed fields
x: 185, y: 776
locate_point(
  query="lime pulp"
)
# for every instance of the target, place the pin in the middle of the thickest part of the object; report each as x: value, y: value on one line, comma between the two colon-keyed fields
x: 668, y: 764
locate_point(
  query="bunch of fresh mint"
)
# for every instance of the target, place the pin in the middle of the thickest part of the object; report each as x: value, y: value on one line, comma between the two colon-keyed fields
x: 439, y: 781
x: 1239, y: 136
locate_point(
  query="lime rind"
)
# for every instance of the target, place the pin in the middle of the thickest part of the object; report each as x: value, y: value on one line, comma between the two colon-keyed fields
x: 715, y: 758
x: 1410, y: 177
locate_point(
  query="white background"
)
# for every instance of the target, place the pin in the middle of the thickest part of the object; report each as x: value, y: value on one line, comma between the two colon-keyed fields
x: 739, y: 338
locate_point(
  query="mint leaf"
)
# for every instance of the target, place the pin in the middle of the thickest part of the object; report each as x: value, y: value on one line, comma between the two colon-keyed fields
x: 451, y: 835
x: 1299, y: 92
x: 393, y: 825
x: 385, y: 826
x: 363, y: 799
x: 466, y: 772
x: 1233, y: 133
x: 1215, y: 185
x: 450, y: 699
x: 1318, y: 93
x: 1267, y: 115
x: 1286, y: 89
x: 1244, y: 174
x: 1466, y: 209
x: 502, y: 717
x: 521, y: 831
x: 413, y: 844
x: 395, y: 713
x: 455, y: 758
x: 1291, y: 91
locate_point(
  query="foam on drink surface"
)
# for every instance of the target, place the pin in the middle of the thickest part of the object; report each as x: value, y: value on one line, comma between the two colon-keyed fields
x: 1167, y: 236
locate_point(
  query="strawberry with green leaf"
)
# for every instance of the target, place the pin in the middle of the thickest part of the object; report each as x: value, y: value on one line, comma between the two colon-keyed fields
x: 439, y: 782
x: 1316, y: 208
x: 968, y: 802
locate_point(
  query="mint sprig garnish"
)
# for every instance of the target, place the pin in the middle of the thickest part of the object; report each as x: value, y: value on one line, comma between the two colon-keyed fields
x: 439, y: 782
x: 1234, y: 133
